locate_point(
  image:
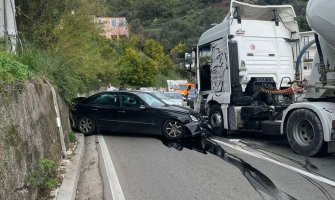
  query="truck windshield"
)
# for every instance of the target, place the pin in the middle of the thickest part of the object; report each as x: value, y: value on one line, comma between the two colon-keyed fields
x: 182, y: 87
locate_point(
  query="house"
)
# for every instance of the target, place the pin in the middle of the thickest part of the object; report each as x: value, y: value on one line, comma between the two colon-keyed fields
x: 113, y: 27
x: 308, y: 58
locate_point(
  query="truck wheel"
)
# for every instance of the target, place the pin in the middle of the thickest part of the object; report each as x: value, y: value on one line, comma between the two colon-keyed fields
x: 216, y: 120
x: 305, y: 133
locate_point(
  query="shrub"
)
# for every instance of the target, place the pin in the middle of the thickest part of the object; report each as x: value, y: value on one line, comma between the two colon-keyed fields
x: 72, y: 137
x: 44, y: 176
x: 12, y: 70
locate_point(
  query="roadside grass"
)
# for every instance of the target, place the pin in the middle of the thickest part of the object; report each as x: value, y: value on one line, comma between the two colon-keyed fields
x: 72, y: 137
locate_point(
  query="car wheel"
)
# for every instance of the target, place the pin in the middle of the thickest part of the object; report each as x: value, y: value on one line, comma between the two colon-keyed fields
x: 216, y: 120
x: 86, y: 126
x: 173, y: 129
x: 305, y: 133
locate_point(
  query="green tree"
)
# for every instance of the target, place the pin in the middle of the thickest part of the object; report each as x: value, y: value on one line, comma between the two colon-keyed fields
x: 78, y: 43
x: 136, y: 26
x: 136, y: 69
x: 154, y: 50
x: 74, y: 57
x: 178, y: 52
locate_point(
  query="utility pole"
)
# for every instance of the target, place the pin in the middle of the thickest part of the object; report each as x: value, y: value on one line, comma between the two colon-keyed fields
x: 8, y: 29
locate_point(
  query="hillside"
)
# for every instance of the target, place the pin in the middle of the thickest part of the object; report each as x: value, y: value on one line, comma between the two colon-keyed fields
x: 174, y: 21
x: 170, y: 22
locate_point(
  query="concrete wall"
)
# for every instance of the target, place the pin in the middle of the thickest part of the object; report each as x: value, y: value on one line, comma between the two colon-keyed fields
x: 28, y: 133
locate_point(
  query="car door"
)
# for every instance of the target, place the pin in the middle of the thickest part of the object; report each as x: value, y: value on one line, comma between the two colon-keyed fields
x: 106, y: 111
x: 134, y: 116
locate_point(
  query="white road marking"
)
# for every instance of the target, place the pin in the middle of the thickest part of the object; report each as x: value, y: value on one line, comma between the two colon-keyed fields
x: 257, y: 155
x: 110, y: 170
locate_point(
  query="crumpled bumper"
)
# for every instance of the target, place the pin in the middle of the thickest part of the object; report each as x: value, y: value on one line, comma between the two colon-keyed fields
x: 199, y: 128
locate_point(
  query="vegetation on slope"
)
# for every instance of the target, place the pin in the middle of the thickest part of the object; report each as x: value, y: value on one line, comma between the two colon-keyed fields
x: 62, y: 43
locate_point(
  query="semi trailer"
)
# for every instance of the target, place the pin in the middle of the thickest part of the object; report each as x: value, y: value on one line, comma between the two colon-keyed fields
x: 247, y: 79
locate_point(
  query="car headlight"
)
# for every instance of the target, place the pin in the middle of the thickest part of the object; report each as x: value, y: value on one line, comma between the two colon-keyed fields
x: 193, y: 118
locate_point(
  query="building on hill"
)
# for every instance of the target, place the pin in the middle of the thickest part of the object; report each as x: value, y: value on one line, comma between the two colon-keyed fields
x: 113, y: 27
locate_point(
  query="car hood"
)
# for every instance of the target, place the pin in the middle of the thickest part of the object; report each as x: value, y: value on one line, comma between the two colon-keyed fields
x: 175, y: 108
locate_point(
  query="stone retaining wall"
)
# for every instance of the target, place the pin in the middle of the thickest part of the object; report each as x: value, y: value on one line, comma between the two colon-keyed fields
x: 28, y: 133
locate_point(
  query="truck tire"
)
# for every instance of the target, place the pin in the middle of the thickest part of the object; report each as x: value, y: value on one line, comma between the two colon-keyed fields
x: 305, y: 133
x: 215, y: 118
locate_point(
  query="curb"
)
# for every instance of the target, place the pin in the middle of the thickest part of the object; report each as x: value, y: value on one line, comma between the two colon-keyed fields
x: 68, y: 189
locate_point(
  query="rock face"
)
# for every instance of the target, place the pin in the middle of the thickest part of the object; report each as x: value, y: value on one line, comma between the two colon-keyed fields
x: 28, y: 133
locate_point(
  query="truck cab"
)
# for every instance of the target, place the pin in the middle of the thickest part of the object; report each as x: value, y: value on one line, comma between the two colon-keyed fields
x: 245, y: 67
x: 247, y: 80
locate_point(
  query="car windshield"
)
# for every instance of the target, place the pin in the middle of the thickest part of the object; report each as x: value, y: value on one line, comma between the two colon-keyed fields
x: 159, y: 95
x: 182, y: 87
x: 151, y: 100
x: 173, y: 95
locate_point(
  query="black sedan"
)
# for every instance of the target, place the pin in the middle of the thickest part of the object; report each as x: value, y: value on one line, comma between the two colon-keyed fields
x: 135, y: 112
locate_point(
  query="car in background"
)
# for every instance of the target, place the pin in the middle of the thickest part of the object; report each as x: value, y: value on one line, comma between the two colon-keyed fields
x: 167, y: 99
x: 176, y: 97
x: 192, y: 95
x: 135, y: 112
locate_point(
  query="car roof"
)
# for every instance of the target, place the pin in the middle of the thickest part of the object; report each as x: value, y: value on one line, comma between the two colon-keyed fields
x: 127, y: 91
x: 121, y: 91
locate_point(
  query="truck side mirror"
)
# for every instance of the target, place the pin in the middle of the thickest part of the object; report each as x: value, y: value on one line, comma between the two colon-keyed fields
x: 237, y: 14
x: 188, y: 61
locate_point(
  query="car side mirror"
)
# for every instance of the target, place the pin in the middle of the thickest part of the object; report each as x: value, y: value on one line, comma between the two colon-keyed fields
x: 142, y: 107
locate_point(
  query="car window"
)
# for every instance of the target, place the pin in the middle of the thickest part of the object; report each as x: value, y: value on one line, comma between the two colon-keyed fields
x: 178, y: 96
x: 109, y: 100
x: 93, y: 100
x: 167, y: 95
x: 192, y: 91
x: 130, y: 101
x: 174, y: 95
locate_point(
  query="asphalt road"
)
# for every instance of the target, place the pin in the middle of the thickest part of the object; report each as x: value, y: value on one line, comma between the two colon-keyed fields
x: 239, y: 167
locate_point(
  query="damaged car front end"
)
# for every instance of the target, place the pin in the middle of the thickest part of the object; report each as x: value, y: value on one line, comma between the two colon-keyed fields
x: 198, y: 127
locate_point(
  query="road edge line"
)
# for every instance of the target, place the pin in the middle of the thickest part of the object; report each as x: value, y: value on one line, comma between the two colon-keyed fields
x: 302, y: 172
x: 113, y: 180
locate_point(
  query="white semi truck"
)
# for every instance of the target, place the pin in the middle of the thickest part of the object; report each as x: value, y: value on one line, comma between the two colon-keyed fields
x: 247, y: 81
